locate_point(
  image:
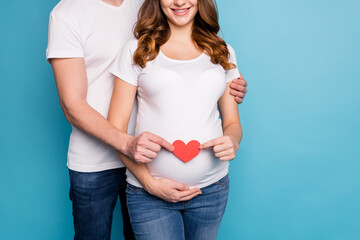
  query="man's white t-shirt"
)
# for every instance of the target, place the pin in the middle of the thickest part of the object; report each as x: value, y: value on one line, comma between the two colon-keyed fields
x: 95, y: 31
x: 177, y: 100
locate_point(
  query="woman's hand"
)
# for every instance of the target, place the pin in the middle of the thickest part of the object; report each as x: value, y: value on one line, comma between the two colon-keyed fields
x: 144, y: 148
x: 169, y: 190
x: 224, y: 147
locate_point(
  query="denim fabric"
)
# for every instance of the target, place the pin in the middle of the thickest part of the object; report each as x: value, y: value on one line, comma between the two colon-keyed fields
x: 197, y: 219
x: 93, y: 197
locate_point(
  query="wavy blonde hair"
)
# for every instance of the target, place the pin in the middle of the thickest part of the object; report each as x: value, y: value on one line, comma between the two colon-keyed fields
x: 152, y: 31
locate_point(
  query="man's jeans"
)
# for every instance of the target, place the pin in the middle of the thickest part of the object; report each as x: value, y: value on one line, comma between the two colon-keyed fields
x: 197, y: 219
x: 93, y: 197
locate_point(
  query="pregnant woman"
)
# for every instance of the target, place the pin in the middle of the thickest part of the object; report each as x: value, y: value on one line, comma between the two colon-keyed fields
x: 180, y: 71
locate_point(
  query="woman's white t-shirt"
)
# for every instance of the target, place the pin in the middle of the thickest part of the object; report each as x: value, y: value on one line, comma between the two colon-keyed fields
x: 177, y: 100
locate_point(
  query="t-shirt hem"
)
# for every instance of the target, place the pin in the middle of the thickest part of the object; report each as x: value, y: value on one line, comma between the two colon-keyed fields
x: 64, y: 55
x: 219, y: 176
x: 134, y: 183
x: 232, y: 76
x: 123, y: 77
x: 94, y: 168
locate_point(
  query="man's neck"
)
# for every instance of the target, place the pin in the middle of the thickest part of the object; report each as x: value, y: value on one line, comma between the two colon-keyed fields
x: 115, y: 3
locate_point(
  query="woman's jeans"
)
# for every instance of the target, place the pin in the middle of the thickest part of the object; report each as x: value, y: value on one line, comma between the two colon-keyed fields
x: 93, y: 197
x: 196, y: 219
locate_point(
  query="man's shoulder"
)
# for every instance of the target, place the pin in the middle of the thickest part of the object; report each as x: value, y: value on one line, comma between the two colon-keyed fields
x: 139, y: 2
x: 69, y: 8
x: 135, y: 4
x: 130, y: 45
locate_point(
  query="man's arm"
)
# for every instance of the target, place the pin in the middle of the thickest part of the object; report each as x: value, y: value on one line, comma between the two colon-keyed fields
x: 71, y: 82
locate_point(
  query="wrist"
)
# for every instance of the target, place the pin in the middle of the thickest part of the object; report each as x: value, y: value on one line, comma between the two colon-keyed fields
x: 123, y: 143
x: 149, y: 183
x: 233, y: 139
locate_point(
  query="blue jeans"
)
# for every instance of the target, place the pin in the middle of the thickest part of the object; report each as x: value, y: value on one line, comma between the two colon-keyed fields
x: 197, y: 219
x: 94, y: 197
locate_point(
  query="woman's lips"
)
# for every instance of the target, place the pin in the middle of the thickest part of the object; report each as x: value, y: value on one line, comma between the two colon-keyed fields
x: 181, y: 12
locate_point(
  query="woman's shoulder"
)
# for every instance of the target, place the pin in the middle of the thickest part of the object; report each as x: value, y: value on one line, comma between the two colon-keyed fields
x: 230, y: 48
x: 232, y: 54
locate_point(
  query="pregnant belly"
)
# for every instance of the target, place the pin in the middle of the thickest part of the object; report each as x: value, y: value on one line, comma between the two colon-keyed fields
x: 201, y: 171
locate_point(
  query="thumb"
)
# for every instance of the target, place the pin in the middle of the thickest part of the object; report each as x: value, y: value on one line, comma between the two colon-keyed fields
x: 180, y: 186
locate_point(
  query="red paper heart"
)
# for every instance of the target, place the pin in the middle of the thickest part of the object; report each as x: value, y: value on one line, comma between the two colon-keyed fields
x: 186, y: 152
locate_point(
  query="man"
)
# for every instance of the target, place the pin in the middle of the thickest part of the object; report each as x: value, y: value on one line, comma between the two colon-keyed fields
x: 85, y: 36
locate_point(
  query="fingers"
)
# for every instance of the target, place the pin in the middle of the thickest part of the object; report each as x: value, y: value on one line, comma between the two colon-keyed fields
x: 172, y: 191
x: 160, y: 141
x: 224, y: 154
x: 168, y: 146
x: 220, y: 148
x: 237, y: 94
x: 238, y: 89
x: 141, y: 158
x: 147, y: 145
x: 238, y: 85
x: 145, y: 149
x: 187, y: 195
x: 211, y: 143
x: 170, y: 184
x: 146, y: 152
x: 238, y: 100
x: 227, y: 158
x: 180, y: 187
x: 242, y: 81
x: 151, y: 145
x: 224, y: 148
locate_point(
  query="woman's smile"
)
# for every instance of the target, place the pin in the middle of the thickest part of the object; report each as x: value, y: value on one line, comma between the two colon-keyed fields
x: 181, y: 11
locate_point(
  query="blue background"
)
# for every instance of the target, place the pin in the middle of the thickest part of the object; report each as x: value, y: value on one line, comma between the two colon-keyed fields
x: 296, y: 175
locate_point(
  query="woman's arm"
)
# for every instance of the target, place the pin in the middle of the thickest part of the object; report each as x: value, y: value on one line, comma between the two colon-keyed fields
x: 121, y: 105
x: 225, y: 147
x: 119, y: 114
x: 230, y: 116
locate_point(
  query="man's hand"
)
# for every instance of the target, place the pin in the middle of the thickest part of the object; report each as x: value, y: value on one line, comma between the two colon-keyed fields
x: 171, y: 191
x: 238, y: 89
x: 144, y: 148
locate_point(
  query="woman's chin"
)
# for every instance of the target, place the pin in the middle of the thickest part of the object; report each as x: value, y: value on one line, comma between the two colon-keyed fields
x: 182, y: 22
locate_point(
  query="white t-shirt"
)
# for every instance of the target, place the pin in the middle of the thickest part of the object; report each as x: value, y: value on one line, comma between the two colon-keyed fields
x: 177, y: 100
x: 95, y: 31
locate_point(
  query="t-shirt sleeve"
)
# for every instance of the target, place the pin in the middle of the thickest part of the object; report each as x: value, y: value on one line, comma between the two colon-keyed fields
x: 234, y: 72
x: 124, y: 66
x: 64, y: 38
